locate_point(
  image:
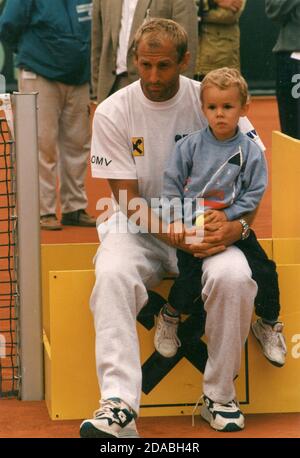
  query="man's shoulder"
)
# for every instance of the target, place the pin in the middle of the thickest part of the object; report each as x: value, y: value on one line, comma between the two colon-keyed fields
x: 247, y: 128
x: 189, y: 82
x: 190, y: 89
x: 119, y: 100
x: 190, y: 140
x: 250, y: 143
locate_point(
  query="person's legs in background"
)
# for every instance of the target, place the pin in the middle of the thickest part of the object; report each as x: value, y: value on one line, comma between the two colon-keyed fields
x: 74, y: 149
x: 288, y: 97
x: 50, y: 103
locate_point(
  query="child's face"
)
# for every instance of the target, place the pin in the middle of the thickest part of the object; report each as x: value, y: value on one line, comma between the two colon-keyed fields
x: 223, y: 108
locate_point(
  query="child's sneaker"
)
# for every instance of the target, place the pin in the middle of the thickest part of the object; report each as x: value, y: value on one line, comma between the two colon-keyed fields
x: 113, y: 419
x: 166, y: 341
x: 223, y: 417
x: 271, y: 340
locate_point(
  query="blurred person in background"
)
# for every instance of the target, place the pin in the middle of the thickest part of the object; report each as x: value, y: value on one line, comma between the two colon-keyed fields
x: 219, y: 35
x: 114, y: 25
x: 287, y: 51
x: 52, y: 42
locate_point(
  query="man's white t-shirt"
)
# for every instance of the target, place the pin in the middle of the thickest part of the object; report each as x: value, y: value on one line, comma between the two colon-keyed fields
x: 133, y: 136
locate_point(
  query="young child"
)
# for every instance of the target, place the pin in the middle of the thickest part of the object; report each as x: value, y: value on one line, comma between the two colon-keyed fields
x: 227, y: 170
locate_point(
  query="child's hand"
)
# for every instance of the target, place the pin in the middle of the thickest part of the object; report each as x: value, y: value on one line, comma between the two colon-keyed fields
x: 176, y: 232
x: 214, y: 216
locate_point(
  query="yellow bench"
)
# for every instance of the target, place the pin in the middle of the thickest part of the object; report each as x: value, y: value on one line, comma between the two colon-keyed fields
x: 67, y: 280
x: 70, y: 376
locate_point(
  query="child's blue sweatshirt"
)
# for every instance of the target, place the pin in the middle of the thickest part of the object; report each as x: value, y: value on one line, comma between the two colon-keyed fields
x: 229, y: 175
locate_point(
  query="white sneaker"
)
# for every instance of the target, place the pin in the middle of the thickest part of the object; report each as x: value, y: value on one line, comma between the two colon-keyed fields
x: 113, y: 419
x: 223, y: 417
x: 271, y: 340
x: 166, y: 341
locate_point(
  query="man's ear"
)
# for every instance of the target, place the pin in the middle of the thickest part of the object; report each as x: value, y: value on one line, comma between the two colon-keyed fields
x: 245, y: 109
x: 185, y: 62
x: 134, y: 60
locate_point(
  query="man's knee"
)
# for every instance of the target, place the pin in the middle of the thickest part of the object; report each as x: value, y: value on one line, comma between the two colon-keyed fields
x: 232, y: 275
x: 110, y: 280
x: 115, y: 272
x: 118, y: 284
x: 234, y: 279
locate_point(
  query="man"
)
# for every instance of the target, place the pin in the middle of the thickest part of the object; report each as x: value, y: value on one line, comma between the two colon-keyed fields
x: 114, y: 25
x: 219, y: 35
x: 286, y: 13
x: 134, y: 131
x: 52, y: 41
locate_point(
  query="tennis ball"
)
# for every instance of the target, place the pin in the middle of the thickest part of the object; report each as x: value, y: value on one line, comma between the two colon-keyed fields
x: 200, y: 220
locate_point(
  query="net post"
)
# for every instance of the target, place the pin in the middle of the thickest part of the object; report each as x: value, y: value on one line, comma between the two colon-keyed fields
x: 29, y: 263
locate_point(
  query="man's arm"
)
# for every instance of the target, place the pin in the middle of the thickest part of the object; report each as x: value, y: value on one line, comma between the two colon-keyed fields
x: 233, y: 5
x: 14, y: 20
x: 216, y: 238
x: 96, y: 45
x: 222, y: 15
x: 277, y: 10
x: 134, y: 204
x: 185, y: 14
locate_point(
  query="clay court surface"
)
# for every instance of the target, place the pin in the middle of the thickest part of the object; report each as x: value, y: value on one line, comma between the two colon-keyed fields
x: 31, y: 419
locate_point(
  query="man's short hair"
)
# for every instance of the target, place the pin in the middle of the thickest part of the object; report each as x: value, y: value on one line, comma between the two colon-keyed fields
x: 157, y: 30
x: 224, y: 78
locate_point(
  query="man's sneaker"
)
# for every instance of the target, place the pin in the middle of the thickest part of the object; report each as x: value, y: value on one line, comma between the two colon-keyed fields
x: 113, y: 419
x: 223, y: 417
x: 78, y: 218
x: 50, y: 223
x: 271, y: 340
x: 166, y: 340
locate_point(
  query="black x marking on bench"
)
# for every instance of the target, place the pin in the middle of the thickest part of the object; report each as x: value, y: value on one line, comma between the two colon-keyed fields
x: 189, y: 332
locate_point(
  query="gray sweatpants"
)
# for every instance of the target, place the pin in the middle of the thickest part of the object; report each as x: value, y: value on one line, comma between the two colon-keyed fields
x: 64, y: 141
x: 129, y: 264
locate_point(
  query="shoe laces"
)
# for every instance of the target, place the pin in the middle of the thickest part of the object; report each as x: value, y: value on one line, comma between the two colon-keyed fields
x: 229, y: 407
x: 274, y: 335
x: 195, y: 408
x: 277, y: 329
x: 281, y: 340
x: 169, y: 330
x: 106, y: 409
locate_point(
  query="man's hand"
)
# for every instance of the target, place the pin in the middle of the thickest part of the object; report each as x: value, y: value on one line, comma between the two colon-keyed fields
x: 217, y: 236
x: 214, y: 216
x: 226, y: 232
x: 176, y: 232
x: 233, y: 5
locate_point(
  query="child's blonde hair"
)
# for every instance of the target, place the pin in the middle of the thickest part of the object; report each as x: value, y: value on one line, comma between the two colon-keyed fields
x: 224, y: 78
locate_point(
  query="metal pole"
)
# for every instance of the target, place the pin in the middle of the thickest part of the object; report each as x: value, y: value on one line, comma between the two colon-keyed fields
x: 29, y: 272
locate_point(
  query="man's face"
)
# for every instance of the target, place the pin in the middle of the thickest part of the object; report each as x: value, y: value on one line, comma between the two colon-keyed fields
x: 159, y: 70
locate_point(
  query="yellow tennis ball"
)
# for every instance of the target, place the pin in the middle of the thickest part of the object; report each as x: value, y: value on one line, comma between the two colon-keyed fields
x: 200, y: 220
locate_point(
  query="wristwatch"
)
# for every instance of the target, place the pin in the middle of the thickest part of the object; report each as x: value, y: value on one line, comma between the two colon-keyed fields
x: 246, y: 229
